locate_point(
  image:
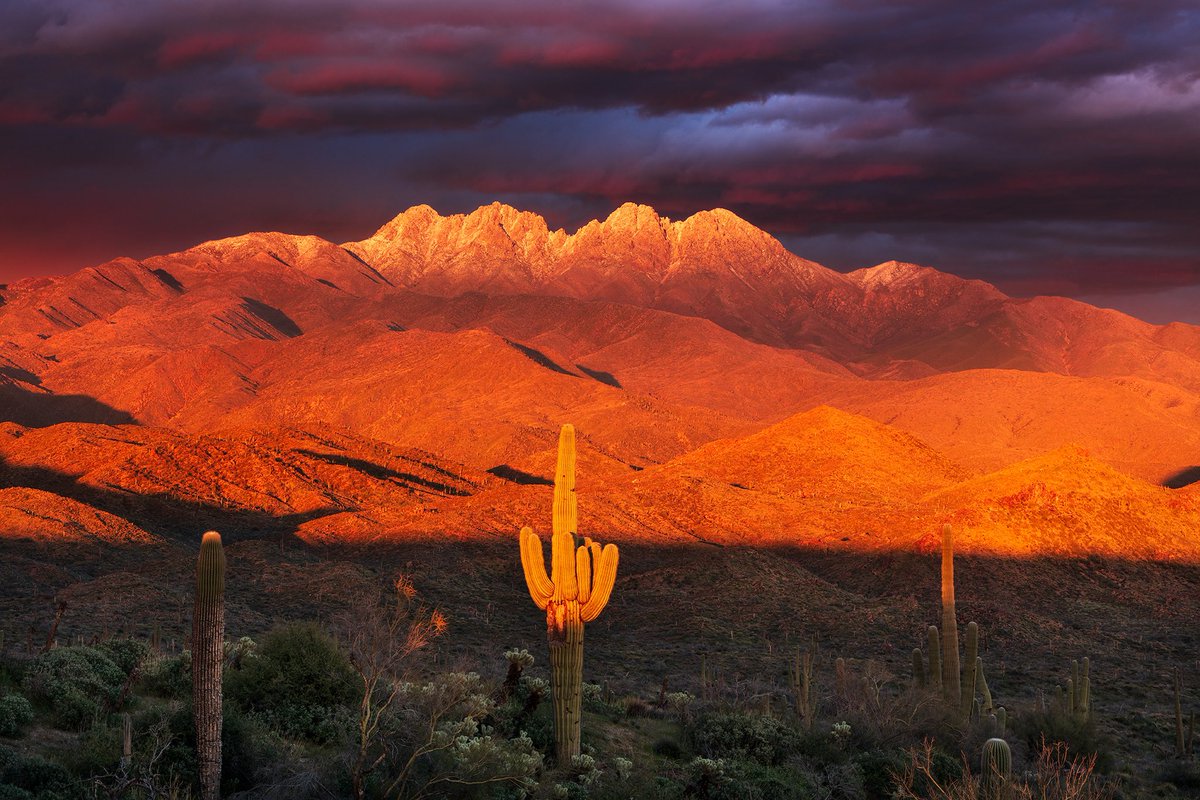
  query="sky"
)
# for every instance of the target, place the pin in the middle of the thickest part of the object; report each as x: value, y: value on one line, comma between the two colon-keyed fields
x: 1044, y: 147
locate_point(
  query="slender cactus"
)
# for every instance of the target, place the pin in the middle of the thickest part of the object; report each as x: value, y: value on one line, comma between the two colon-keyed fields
x: 935, y: 659
x: 1085, y: 688
x: 995, y: 769
x: 972, y: 664
x: 576, y: 591
x: 800, y: 678
x: 1073, y: 686
x: 208, y: 645
x: 126, y: 741
x: 951, y: 673
x: 918, y: 663
x: 1180, y: 742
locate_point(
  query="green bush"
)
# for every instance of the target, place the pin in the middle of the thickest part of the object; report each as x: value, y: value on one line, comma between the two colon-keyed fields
x: 76, y: 683
x: 762, y: 739
x: 878, y: 767
x: 297, y: 683
x: 38, y: 778
x: 128, y: 654
x: 15, y: 715
x: 10, y: 792
x: 668, y: 748
x: 169, y: 677
x: 1079, y: 734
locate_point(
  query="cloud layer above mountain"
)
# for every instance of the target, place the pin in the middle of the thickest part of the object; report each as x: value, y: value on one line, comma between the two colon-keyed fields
x: 1043, y: 148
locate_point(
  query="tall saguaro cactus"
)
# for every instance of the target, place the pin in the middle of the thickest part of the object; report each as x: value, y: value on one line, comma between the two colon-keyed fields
x: 951, y: 674
x: 208, y: 656
x: 576, y: 591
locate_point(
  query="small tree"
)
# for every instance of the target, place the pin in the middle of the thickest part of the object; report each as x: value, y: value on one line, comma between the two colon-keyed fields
x: 382, y: 634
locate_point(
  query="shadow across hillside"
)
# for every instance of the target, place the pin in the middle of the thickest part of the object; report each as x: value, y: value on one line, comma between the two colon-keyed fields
x: 166, y: 515
x: 43, y: 409
x: 1182, y: 478
x: 519, y: 476
x: 380, y: 472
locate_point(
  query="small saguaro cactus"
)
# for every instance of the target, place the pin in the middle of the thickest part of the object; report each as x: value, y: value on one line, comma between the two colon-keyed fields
x: 935, y: 660
x: 971, y: 665
x: 995, y: 769
x: 576, y: 591
x: 951, y: 674
x: 208, y: 656
x: 126, y: 741
x: 918, y: 667
x: 800, y: 679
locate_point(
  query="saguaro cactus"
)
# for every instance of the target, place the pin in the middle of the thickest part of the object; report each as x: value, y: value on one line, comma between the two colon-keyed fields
x: 576, y: 591
x: 951, y: 675
x: 995, y: 769
x: 935, y: 660
x: 208, y: 645
x: 800, y: 678
x: 971, y: 668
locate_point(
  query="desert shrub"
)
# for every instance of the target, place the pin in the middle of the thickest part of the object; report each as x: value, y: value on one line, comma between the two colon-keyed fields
x: 1182, y: 775
x: 16, y: 714
x: 593, y: 698
x: 763, y: 739
x: 528, y: 711
x: 76, y: 683
x: 36, y: 777
x: 437, y: 742
x: 1056, y: 774
x: 750, y: 780
x: 299, y: 683
x: 248, y: 747
x: 169, y: 677
x: 633, y: 706
x: 127, y: 654
x: 668, y: 748
x: 838, y: 781
x: 878, y: 768
x: 1078, y: 734
x: 10, y: 792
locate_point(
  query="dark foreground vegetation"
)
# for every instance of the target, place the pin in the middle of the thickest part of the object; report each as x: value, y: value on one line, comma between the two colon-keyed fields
x: 113, y: 719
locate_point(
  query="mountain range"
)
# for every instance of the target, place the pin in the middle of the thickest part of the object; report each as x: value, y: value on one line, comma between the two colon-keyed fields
x: 410, y: 385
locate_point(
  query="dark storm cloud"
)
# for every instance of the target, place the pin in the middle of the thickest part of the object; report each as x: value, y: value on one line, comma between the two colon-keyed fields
x: 1035, y: 146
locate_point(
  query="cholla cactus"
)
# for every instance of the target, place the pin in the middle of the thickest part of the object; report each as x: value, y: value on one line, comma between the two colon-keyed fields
x: 518, y: 662
x: 576, y: 590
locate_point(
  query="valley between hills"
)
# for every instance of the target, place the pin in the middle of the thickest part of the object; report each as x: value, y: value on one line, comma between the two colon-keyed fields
x: 774, y: 445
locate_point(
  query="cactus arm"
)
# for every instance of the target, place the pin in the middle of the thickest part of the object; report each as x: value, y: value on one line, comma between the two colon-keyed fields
x: 602, y: 584
x: 983, y: 686
x: 534, y: 563
x: 583, y: 573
